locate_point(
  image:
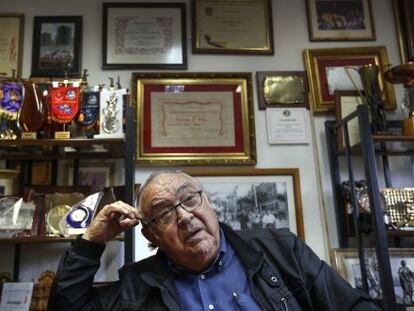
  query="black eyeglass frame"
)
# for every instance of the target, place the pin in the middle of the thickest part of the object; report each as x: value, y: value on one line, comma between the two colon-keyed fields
x: 147, y: 223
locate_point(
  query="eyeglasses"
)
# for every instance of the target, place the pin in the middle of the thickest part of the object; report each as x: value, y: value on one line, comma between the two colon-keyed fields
x: 189, y: 201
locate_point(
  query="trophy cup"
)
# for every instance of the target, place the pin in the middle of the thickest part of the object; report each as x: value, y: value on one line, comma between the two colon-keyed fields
x: 369, y: 75
x: 404, y: 74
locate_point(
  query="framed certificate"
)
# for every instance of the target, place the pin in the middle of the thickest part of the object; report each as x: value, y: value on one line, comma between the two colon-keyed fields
x: 144, y: 35
x: 11, y: 41
x: 194, y: 118
x: 287, y: 125
x: 232, y: 26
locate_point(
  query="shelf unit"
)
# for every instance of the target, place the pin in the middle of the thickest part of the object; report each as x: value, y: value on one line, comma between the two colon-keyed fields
x: 54, y: 150
x: 370, y: 147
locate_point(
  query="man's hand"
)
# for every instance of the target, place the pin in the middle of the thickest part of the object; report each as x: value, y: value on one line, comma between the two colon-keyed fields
x: 111, y: 220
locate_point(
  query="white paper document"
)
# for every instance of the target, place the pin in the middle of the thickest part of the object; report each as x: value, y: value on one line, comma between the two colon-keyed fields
x: 16, y: 296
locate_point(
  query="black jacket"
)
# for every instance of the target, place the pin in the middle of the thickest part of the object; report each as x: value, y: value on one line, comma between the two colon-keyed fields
x: 284, y: 274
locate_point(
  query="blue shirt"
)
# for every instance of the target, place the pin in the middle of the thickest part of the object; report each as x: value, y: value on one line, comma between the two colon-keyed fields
x: 223, y: 285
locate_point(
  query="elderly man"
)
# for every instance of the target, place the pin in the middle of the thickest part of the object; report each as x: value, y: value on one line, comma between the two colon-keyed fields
x: 200, y: 265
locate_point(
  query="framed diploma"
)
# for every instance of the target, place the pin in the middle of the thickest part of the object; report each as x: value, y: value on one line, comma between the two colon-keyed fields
x: 194, y: 118
x: 232, y: 26
x: 11, y: 43
x: 144, y: 36
x: 287, y: 125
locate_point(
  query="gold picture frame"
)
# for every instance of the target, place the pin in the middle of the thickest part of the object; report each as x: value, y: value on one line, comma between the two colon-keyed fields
x: 326, y: 73
x: 404, y: 23
x: 11, y: 54
x: 276, y: 190
x: 41, y: 174
x: 194, y: 118
x: 340, y: 20
x: 232, y: 26
x: 347, y: 102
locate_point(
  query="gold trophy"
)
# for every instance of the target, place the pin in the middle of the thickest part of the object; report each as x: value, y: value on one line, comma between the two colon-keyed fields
x: 404, y: 74
x: 372, y: 96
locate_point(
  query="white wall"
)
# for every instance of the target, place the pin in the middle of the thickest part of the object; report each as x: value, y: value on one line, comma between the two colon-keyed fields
x: 290, y: 37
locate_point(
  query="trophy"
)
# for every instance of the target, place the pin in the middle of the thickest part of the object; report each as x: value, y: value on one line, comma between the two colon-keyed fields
x: 369, y: 75
x: 405, y: 74
x: 33, y: 113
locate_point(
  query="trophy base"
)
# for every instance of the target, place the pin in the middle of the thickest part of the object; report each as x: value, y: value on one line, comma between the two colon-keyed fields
x: 62, y: 135
x: 29, y: 135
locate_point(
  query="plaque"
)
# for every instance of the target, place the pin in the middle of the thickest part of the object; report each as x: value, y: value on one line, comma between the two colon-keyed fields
x: 54, y: 216
x: 399, y: 207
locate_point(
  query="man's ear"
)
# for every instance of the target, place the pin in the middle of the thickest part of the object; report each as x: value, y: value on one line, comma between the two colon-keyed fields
x: 150, y: 235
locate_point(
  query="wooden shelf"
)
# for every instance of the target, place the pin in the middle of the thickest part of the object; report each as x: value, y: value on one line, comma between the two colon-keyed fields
x: 392, y: 138
x: 61, y: 142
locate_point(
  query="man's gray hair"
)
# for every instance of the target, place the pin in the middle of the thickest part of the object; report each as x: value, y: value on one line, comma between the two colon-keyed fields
x: 152, y: 177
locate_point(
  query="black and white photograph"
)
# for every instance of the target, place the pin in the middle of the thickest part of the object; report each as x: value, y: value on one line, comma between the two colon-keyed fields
x: 254, y: 198
x: 402, y: 269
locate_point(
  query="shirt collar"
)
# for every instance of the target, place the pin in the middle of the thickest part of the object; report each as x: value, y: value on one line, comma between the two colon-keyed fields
x: 217, y: 263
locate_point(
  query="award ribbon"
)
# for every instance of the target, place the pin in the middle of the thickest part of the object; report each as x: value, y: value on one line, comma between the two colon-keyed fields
x: 64, y: 103
x: 88, y: 112
x: 11, y: 100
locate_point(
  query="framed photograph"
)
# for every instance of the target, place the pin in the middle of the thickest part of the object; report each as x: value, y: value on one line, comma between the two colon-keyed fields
x: 247, y: 198
x: 346, y: 262
x: 11, y: 38
x: 232, y: 26
x: 287, y: 126
x: 326, y: 73
x: 404, y: 21
x: 144, y: 36
x: 41, y: 173
x: 93, y: 174
x: 282, y: 89
x: 347, y: 102
x: 340, y: 20
x: 57, y: 44
x: 194, y: 118
x: 9, y: 182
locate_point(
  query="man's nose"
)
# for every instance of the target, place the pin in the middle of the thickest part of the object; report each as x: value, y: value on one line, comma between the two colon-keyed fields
x: 183, y: 217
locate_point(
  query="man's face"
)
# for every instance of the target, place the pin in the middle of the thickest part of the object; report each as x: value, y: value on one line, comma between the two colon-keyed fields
x: 191, y: 239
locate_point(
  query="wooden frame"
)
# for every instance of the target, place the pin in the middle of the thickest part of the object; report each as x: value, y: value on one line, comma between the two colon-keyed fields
x: 326, y: 73
x: 232, y: 26
x: 126, y: 43
x: 340, y: 20
x: 41, y: 174
x: 346, y: 102
x: 404, y: 22
x: 97, y: 175
x: 11, y: 54
x: 57, y: 42
x: 282, y: 89
x: 194, y: 118
x: 237, y: 191
x: 346, y: 262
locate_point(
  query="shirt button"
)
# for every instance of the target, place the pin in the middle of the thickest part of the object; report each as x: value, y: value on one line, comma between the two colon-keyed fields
x: 203, y: 277
x: 220, y: 263
x: 211, y: 307
x: 273, y: 279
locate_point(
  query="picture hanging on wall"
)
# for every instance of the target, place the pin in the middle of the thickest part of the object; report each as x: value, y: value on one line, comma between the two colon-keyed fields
x: 326, y: 73
x: 57, y: 44
x: 144, y: 36
x: 404, y: 21
x: 340, y: 20
x: 245, y: 198
x: 194, y: 118
x: 11, y: 38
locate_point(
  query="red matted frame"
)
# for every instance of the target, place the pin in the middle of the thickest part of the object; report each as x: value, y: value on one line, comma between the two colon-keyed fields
x: 194, y: 118
x: 319, y: 62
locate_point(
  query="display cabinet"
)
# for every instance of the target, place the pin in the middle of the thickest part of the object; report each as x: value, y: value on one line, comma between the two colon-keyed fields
x: 55, y: 150
x: 370, y: 149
